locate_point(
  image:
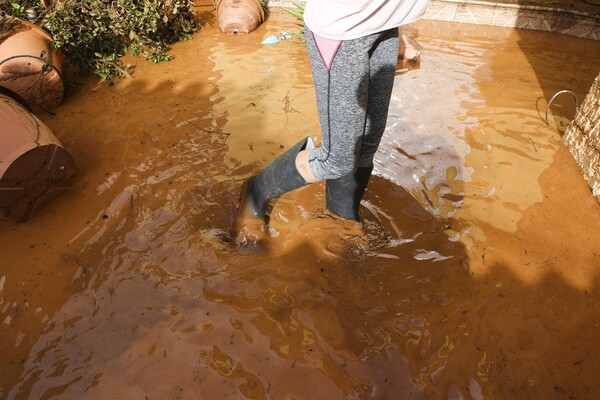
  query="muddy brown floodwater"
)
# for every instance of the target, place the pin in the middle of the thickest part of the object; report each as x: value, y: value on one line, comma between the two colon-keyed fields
x: 477, y: 276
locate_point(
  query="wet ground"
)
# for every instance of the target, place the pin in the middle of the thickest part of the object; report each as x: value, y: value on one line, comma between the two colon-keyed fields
x: 477, y: 276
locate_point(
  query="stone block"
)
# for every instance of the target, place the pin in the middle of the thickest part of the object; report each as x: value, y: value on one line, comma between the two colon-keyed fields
x: 582, y: 137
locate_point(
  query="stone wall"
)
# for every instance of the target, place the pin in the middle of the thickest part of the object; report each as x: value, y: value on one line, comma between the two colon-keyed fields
x: 582, y: 137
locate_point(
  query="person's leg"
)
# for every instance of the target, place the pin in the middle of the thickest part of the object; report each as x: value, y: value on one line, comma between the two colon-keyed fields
x: 279, y: 177
x: 343, y: 195
x: 383, y: 62
x: 342, y: 93
x: 290, y: 171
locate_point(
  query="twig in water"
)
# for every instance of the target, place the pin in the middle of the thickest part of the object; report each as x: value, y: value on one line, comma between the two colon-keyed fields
x: 533, y: 144
x: 286, y: 104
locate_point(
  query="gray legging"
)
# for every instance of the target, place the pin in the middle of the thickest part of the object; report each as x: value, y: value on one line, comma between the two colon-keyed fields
x: 353, y: 98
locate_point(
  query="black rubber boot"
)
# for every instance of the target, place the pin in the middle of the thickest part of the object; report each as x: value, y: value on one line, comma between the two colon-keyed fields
x: 343, y: 195
x: 279, y: 177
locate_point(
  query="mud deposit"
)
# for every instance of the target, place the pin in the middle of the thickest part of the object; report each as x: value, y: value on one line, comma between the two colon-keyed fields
x: 477, y: 276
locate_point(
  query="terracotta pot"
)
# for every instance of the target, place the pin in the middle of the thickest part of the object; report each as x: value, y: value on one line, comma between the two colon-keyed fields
x: 34, y: 167
x: 25, y: 70
x: 239, y: 16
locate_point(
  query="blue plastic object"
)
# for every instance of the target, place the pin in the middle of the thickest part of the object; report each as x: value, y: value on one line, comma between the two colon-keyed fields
x: 276, y: 38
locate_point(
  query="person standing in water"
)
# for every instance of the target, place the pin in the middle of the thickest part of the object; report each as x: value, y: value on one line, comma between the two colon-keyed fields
x: 353, y: 51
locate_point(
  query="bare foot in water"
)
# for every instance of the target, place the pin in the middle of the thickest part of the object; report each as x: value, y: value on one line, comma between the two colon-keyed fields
x: 247, y: 229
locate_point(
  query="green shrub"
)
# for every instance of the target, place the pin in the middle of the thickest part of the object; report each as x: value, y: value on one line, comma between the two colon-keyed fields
x: 297, y: 12
x: 94, y: 34
x: 15, y: 8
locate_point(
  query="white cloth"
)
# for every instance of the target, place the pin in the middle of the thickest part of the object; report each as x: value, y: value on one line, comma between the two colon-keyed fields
x: 351, y: 19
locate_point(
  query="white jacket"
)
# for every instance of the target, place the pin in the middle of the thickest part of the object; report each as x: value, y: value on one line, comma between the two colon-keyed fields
x: 351, y: 19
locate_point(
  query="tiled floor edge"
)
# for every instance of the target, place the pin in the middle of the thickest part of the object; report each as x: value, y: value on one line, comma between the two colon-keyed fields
x: 522, y: 16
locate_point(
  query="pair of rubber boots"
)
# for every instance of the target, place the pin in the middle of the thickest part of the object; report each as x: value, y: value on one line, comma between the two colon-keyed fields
x: 343, y: 195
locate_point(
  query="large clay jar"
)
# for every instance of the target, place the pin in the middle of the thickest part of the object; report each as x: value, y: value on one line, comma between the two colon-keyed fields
x: 34, y: 167
x: 239, y: 16
x: 29, y: 67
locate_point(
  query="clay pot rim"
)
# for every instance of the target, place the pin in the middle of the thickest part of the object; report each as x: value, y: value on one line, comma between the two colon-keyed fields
x: 16, y: 97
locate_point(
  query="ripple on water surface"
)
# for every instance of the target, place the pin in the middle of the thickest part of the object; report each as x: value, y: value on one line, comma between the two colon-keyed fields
x: 158, y: 304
